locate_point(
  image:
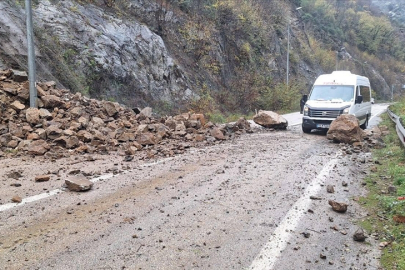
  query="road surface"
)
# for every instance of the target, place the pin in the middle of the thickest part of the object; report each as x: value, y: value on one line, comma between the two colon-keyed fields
x: 257, y: 202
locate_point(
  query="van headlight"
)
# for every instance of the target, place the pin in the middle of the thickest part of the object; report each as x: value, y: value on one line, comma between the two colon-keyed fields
x: 346, y: 110
x: 306, y: 110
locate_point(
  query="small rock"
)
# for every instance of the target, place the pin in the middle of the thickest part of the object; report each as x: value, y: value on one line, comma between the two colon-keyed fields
x: 384, y: 244
x: 392, y: 190
x: 359, y: 235
x: 338, y: 207
x: 330, y: 189
x: 42, y: 178
x: 344, y: 184
x: 16, y: 185
x: 78, y: 184
x: 315, y: 198
x: 306, y: 234
x: 322, y: 256
x: 16, y: 199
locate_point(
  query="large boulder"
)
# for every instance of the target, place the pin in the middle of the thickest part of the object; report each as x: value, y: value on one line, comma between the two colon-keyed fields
x: 345, y: 129
x: 269, y: 119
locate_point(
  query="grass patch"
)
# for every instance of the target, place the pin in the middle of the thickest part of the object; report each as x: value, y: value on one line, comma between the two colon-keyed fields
x: 382, y: 206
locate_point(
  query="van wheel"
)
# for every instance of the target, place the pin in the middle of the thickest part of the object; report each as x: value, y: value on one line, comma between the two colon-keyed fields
x: 306, y: 130
x: 364, y: 126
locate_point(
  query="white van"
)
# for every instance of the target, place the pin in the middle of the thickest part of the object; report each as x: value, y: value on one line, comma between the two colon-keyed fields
x: 334, y: 94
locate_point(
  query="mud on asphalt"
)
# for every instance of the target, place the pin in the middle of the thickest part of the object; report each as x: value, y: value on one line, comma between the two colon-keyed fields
x: 213, y: 207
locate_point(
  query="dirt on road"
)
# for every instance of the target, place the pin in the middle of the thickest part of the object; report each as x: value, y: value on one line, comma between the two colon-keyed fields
x: 259, y: 201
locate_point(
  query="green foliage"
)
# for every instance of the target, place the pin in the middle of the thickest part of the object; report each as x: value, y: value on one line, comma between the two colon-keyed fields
x: 281, y: 98
x: 382, y: 207
x: 216, y: 117
x: 204, y: 103
x: 373, y: 33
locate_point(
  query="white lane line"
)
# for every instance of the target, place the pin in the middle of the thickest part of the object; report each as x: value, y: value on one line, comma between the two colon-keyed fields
x: 378, y: 113
x: 47, y: 194
x: 41, y: 196
x: 30, y: 199
x: 273, y: 249
x: 44, y: 195
x: 156, y: 162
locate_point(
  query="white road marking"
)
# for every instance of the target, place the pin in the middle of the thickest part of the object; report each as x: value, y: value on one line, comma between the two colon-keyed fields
x: 44, y: 195
x: 273, y: 249
x: 156, y: 162
x: 47, y: 194
x: 30, y: 199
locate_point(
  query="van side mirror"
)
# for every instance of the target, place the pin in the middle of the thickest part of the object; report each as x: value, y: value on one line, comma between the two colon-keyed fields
x: 305, y: 98
x: 359, y: 99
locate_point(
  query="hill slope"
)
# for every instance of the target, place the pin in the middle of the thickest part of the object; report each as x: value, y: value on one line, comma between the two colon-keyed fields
x: 188, y: 55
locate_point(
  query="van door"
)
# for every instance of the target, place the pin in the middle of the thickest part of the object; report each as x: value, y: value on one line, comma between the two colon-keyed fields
x: 363, y: 110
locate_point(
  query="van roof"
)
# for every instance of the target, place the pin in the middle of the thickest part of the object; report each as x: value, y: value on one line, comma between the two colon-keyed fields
x: 341, y: 78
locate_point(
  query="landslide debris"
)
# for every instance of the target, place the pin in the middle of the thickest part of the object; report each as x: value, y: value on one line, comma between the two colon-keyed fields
x: 65, y: 123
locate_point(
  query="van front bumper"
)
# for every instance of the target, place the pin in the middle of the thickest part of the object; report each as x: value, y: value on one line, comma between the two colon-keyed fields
x: 316, y: 124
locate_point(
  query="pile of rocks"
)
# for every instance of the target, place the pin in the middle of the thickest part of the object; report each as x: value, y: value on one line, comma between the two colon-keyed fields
x: 66, y: 123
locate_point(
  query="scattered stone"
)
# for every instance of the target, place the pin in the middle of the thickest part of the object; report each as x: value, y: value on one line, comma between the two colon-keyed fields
x: 14, y: 174
x: 15, y: 185
x: 19, y: 76
x: 78, y: 183
x: 16, y: 199
x: 269, y: 119
x: 42, y: 178
x: 338, y: 207
x: 330, y: 189
x: 392, y: 190
x: 359, y: 235
x: 217, y: 134
x: 399, y: 219
x: 322, y: 256
x: 315, y: 198
x: 335, y: 228
x: 344, y: 184
x: 306, y: 234
x: 383, y: 244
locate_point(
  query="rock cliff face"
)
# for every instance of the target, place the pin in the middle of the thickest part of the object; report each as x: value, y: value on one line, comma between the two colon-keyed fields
x: 86, y: 49
x: 165, y: 53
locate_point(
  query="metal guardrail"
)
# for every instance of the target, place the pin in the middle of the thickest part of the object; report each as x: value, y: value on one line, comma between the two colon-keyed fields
x: 400, y: 129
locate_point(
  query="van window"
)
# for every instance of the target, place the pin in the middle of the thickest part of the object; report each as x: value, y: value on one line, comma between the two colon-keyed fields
x: 332, y: 92
x: 365, y: 92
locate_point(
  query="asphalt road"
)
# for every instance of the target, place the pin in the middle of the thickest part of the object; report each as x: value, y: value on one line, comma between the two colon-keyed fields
x: 257, y: 202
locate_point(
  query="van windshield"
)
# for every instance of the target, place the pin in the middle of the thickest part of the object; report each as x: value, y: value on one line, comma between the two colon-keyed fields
x: 343, y: 93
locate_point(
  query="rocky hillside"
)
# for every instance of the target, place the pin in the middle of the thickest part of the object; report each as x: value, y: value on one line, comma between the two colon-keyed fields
x: 178, y: 56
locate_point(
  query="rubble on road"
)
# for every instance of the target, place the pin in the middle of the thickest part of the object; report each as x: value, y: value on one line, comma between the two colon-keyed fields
x: 338, y: 206
x: 345, y: 129
x: 78, y: 183
x: 269, y: 119
x: 65, y: 123
x: 359, y: 235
